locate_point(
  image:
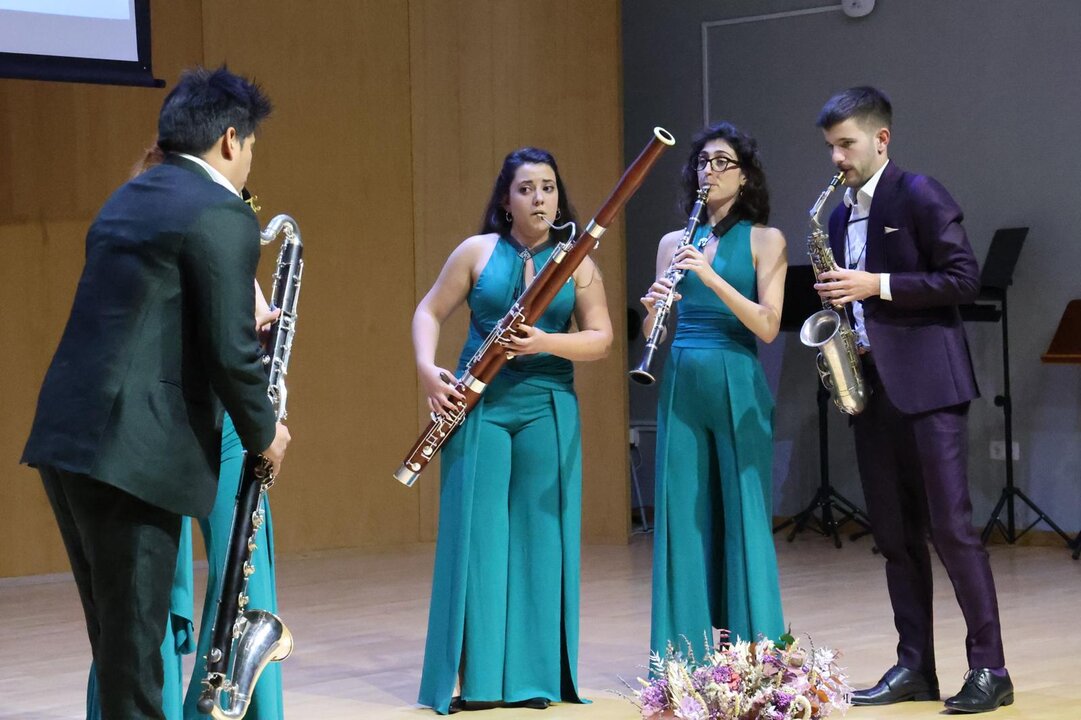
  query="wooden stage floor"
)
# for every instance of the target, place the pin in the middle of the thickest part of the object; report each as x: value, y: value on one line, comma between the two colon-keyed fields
x: 359, y: 621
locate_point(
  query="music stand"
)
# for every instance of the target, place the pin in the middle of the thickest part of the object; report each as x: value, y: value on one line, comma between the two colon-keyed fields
x: 1066, y: 349
x: 996, y: 277
x: 800, y: 302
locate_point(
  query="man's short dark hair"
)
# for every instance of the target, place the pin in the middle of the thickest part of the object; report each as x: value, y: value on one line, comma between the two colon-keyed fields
x: 866, y: 104
x: 204, y: 104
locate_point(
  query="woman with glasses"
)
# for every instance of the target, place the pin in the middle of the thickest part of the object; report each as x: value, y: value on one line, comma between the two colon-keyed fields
x: 503, y: 622
x: 714, y: 564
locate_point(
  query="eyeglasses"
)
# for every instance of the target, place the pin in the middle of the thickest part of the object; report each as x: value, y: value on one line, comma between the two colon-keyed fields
x: 719, y: 163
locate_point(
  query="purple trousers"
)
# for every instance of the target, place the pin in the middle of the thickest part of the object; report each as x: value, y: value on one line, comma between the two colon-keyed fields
x: 915, y: 481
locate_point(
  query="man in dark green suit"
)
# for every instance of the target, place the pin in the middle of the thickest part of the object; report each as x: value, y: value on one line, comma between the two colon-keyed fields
x: 161, y: 336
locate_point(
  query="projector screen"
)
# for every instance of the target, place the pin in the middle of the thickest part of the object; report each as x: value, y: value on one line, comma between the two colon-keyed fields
x: 99, y: 41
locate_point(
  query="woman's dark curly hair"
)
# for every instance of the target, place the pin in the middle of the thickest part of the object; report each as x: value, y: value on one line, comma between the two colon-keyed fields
x: 495, y: 217
x: 753, y: 202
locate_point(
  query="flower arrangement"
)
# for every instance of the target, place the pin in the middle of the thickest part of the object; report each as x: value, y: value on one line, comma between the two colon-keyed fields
x: 764, y: 680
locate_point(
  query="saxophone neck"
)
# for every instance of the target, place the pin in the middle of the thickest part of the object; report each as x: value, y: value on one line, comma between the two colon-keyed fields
x: 837, y: 179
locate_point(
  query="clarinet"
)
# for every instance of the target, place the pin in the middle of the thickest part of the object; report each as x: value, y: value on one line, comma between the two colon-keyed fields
x: 641, y: 374
x: 253, y: 638
x: 490, y: 357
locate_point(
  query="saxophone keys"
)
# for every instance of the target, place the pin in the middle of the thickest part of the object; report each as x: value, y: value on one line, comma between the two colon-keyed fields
x: 249, y: 569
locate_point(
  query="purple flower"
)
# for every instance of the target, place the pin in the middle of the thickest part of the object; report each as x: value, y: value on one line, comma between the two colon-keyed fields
x: 654, y: 697
x: 782, y: 700
x: 691, y: 709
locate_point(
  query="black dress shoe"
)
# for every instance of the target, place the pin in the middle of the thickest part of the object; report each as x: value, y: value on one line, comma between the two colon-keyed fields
x: 983, y: 691
x: 899, y: 684
x: 457, y: 704
x: 537, y: 703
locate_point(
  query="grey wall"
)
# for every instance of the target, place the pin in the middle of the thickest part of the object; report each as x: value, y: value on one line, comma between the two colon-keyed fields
x: 987, y: 98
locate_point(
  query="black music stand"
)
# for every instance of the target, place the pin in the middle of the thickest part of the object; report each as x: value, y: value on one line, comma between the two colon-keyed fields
x: 1066, y: 349
x: 996, y: 277
x: 800, y: 302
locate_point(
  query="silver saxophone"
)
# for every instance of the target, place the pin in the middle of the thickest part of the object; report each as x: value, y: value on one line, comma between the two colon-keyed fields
x: 251, y: 639
x: 641, y: 374
x: 828, y: 330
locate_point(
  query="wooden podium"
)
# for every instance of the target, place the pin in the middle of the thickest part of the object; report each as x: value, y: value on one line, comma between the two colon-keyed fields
x: 1066, y: 349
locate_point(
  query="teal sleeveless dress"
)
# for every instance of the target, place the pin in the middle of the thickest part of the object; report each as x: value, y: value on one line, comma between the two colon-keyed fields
x: 504, y: 606
x: 714, y: 563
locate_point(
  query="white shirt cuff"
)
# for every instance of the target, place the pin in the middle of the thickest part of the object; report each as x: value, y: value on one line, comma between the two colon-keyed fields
x: 884, y: 286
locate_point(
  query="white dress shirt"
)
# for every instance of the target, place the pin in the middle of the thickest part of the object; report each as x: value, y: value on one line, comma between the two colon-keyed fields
x: 215, y: 175
x: 859, y: 202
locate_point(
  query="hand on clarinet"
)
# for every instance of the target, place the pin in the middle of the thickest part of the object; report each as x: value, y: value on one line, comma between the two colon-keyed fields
x: 656, y: 295
x: 439, y: 386
x: 264, y: 319
x: 275, y: 453
x: 691, y: 259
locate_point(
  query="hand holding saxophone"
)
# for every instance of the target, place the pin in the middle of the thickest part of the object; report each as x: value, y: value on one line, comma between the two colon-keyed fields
x: 841, y: 287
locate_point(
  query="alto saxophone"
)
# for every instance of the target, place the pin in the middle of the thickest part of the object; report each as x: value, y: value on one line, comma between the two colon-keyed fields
x: 244, y: 641
x: 828, y: 330
x: 641, y: 374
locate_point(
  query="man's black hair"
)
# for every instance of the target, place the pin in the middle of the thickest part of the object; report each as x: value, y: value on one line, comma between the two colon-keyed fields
x: 204, y: 105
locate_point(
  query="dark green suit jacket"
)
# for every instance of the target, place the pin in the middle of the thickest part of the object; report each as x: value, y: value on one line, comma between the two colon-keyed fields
x: 160, y: 337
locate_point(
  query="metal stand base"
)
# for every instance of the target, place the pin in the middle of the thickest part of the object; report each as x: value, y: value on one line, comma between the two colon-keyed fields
x: 1010, y: 491
x: 835, y: 508
x: 1009, y: 528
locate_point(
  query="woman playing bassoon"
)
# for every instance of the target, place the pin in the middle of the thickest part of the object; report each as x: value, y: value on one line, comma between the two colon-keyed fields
x: 503, y: 624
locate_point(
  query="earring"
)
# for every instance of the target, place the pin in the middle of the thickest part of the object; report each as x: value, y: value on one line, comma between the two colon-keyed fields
x: 557, y: 213
x: 508, y: 216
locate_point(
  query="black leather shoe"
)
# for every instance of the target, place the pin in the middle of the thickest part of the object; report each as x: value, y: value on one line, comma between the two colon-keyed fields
x: 899, y: 684
x: 983, y: 691
x: 537, y: 703
x: 458, y: 705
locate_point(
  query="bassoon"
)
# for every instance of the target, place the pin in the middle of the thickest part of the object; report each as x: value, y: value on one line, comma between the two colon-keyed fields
x: 490, y: 357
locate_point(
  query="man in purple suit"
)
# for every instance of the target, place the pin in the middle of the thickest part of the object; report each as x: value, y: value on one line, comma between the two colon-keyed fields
x: 907, y: 266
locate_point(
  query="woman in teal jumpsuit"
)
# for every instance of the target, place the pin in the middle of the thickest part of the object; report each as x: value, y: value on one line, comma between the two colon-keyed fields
x: 714, y: 564
x: 503, y: 621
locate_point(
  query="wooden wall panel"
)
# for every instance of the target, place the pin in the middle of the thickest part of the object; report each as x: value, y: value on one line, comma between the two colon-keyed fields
x: 336, y: 156
x: 489, y: 77
x: 63, y: 149
x: 391, y: 121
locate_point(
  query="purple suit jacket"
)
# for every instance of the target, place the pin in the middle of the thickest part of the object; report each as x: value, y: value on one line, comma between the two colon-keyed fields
x: 917, y: 339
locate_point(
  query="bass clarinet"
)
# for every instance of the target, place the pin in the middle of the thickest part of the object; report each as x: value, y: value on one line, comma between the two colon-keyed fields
x: 641, y: 374
x: 828, y: 330
x: 491, y: 356
x: 244, y: 641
